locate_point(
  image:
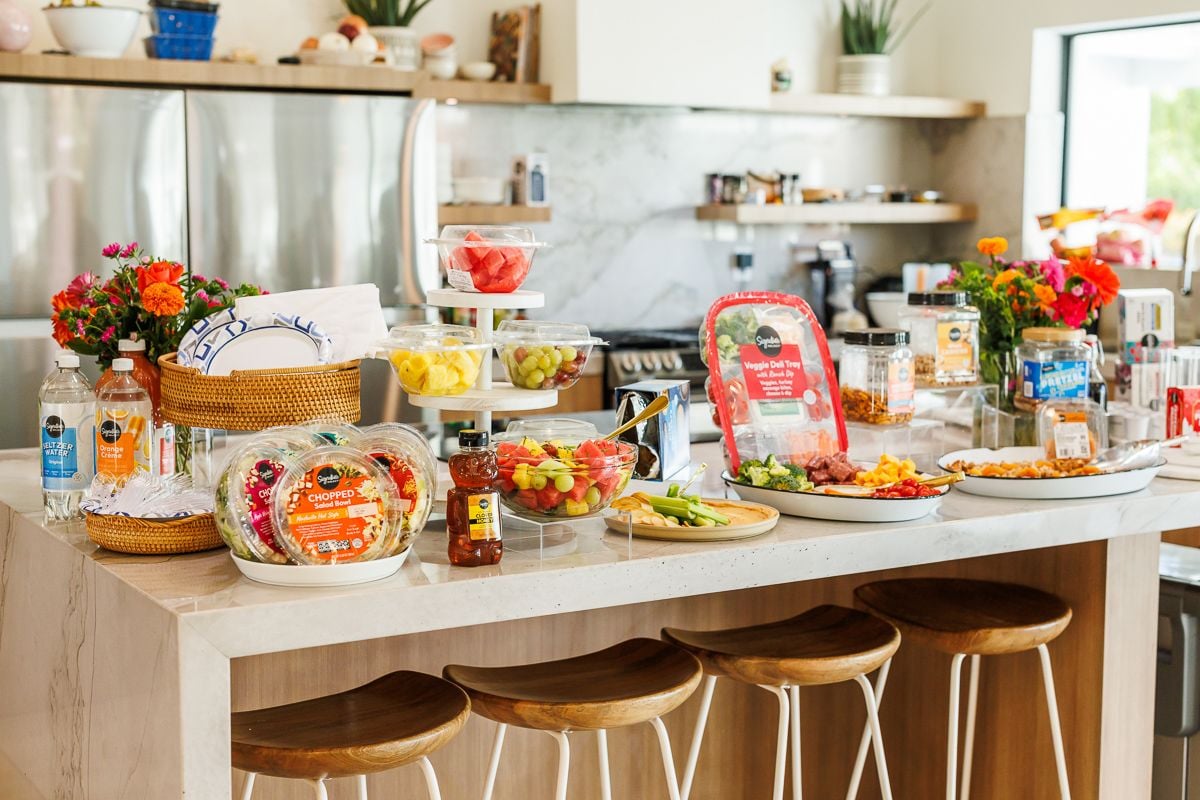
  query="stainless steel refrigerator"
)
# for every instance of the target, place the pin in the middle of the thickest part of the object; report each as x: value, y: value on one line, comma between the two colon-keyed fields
x: 288, y: 190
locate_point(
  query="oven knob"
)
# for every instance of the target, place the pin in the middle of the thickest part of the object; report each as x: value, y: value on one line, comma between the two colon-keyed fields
x: 631, y: 363
x: 652, y: 362
x: 676, y: 362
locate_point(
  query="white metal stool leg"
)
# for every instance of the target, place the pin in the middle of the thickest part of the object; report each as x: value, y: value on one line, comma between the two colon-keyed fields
x: 489, y: 785
x: 564, y: 764
x: 664, y: 745
x: 885, y: 783
x: 689, y: 770
x: 797, y: 786
x: 781, y: 743
x: 864, y: 744
x: 431, y: 782
x: 318, y: 787
x: 602, y: 753
x: 360, y: 783
x: 248, y: 786
x: 969, y: 741
x: 1060, y: 758
x: 952, y: 727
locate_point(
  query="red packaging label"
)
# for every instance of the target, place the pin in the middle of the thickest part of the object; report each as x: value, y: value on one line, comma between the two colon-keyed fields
x: 1183, y: 410
x: 773, y: 373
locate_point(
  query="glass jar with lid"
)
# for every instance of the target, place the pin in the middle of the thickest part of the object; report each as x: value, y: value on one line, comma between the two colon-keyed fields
x: 943, y: 332
x: 1054, y: 364
x: 876, y: 377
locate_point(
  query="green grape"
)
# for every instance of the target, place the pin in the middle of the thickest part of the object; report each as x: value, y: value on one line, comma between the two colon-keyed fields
x: 592, y: 497
x: 544, y: 363
x: 529, y: 364
x: 564, y: 483
x: 568, y: 353
x: 555, y: 358
x: 538, y: 482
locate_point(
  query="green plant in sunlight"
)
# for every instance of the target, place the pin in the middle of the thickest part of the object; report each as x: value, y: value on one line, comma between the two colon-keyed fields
x: 1174, y: 152
x: 395, y: 13
x: 869, y: 27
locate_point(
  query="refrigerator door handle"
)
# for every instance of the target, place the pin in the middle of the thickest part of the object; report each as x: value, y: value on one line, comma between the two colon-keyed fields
x: 418, y: 205
x: 1178, y: 705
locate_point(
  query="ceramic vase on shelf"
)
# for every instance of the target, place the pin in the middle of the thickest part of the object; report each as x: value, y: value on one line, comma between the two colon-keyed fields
x: 16, y: 27
x: 403, y: 43
x: 867, y: 74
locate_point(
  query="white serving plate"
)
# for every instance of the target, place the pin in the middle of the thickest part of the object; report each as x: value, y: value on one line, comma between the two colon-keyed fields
x: 321, y: 574
x: 287, y: 340
x: 839, y: 508
x: 1045, y: 488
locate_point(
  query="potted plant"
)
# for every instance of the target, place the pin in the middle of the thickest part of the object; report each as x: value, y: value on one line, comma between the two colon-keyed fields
x: 388, y: 21
x: 870, y: 33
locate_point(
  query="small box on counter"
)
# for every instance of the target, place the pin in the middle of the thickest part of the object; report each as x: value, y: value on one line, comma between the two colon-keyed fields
x: 663, y: 442
x: 1183, y: 410
x: 530, y: 179
x: 1146, y: 320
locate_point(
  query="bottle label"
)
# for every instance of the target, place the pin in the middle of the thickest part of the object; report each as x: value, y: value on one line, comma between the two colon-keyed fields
x: 122, y: 442
x: 65, y: 435
x: 1054, y: 379
x: 955, y: 347
x: 900, y: 388
x: 483, y: 517
x: 165, y: 449
x: 335, y: 513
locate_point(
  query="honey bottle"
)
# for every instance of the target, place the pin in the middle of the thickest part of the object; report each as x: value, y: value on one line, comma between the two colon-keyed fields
x: 473, y: 505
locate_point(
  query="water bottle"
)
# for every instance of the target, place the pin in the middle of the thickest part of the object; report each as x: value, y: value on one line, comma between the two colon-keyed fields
x: 66, y: 416
x: 124, y: 424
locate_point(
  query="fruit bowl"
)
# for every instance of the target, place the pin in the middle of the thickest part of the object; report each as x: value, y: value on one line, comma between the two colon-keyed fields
x: 435, y: 360
x: 566, y: 471
x: 543, y: 355
x: 492, y: 259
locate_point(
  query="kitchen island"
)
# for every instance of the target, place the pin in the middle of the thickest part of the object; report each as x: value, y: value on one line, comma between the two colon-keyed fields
x: 119, y: 672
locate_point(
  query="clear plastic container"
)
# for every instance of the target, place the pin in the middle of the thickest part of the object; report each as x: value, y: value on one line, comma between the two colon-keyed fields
x: 333, y: 431
x: 544, y: 355
x: 409, y: 460
x: 876, y: 377
x: 943, y: 332
x: 556, y: 468
x: 494, y: 259
x: 1072, y: 429
x: 1054, y: 364
x: 435, y: 360
x: 335, y: 505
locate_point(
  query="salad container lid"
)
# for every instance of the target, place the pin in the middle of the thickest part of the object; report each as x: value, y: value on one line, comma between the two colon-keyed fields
x: 487, y: 236
x: 245, y: 491
x: 525, y: 331
x: 549, y: 430
x: 434, y: 338
x: 408, y: 459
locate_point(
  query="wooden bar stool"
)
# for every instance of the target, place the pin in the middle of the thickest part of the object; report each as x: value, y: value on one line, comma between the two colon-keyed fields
x: 395, y: 720
x: 636, y: 681
x: 974, y: 618
x: 824, y: 645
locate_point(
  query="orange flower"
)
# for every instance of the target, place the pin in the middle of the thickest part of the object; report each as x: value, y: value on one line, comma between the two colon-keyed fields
x: 62, y: 334
x: 1004, y: 277
x: 1016, y: 307
x: 61, y: 302
x: 158, y: 272
x: 992, y: 246
x: 1045, y: 296
x: 163, y: 299
x: 1098, y: 274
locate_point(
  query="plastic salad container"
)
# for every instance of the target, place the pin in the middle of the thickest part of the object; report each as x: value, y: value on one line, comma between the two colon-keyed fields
x: 409, y: 460
x: 435, y: 360
x: 332, y: 431
x: 543, y: 355
x: 557, y: 468
x: 334, y: 505
x: 494, y: 259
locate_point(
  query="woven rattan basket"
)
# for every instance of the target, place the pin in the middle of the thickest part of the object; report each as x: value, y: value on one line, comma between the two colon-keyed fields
x: 154, y: 536
x: 252, y: 400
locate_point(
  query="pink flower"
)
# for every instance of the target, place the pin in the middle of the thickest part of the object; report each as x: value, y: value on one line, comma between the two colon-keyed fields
x: 1077, y: 290
x: 1052, y: 271
x: 221, y: 282
x: 79, y: 328
x: 108, y: 333
x: 203, y: 295
x: 111, y: 250
x: 129, y: 250
x: 146, y: 259
x: 80, y: 286
x: 199, y: 278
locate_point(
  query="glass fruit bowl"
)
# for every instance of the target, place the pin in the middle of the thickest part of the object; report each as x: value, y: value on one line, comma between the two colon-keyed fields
x: 550, y: 469
x: 543, y: 355
x: 493, y: 259
x: 435, y: 360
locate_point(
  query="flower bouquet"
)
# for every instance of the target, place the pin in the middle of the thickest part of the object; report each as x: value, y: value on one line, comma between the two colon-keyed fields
x: 1014, y: 295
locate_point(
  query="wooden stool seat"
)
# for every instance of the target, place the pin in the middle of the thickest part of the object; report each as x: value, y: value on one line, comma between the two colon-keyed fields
x: 826, y: 644
x: 629, y: 683
x: 389, y: 722
x: 965, y: 616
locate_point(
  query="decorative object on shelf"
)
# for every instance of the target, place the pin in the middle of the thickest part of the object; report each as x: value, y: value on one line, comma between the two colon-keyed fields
x: 1014, y: 295
x: 869, y: 35
x: 479, y: 70
x: 781, y: 76
x: 515, y: 44
x: 530, y: 179
x: 16, y: 27
x: 441, y: 55
x: 389, y: 22
x: 91, y: 30
x: 183, y: 30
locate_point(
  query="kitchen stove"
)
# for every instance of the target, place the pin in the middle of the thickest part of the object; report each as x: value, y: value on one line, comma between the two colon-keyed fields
x: 645, y: 354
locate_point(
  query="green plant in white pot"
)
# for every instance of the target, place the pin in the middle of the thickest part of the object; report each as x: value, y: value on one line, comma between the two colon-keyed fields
x: 389, y: 21
x: 870, y: 32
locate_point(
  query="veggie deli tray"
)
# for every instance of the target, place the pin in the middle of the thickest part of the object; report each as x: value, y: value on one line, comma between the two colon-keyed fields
x: 816, y: 504
x: 1010, y: 466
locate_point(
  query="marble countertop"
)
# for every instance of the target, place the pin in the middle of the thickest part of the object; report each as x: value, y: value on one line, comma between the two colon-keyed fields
x: 593, y: 569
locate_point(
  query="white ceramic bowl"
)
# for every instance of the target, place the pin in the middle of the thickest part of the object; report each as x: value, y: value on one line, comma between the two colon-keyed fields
x: 441, y: 67
x: 479, y: 71
x: 885, y: 307
x: 94, y: 31
x: 1105, y: 485
x: 479, y: 191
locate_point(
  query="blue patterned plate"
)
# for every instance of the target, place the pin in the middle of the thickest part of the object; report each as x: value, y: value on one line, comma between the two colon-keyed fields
x: 265, y: 341
x: 186, y: 356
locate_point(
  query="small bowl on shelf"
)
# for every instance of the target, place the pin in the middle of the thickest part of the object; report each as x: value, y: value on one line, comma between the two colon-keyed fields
x: 93, y: 31
x: 560, y: 468
x: 435, y: 360
x: 478, y: 70
x: 543, y: 355
x: 493, y: 259
x: 335, y: 58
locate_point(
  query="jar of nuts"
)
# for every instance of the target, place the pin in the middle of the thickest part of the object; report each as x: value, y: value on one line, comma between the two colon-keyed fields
x: 876, y: 377
x: 944, y: 332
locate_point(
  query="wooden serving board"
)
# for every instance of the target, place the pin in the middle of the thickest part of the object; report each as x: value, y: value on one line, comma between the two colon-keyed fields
x: 746, y: 520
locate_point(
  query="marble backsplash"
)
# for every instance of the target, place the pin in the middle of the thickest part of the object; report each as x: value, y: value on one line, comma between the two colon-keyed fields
x: 624, y: 182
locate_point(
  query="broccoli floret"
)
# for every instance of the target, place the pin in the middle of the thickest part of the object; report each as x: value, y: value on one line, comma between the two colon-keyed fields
x: 798, y: 472
x: 788, y: 483
x: 754, y: 473
x: 775, y: 468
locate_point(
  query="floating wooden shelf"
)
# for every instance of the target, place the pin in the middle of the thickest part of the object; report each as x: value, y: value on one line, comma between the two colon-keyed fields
x: 833, y: 213
x: 492, y: 215
x: 292, y: 77
x: 856, y: 105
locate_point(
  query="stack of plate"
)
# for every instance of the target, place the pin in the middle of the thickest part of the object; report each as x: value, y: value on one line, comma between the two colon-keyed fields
x: 223, y: 343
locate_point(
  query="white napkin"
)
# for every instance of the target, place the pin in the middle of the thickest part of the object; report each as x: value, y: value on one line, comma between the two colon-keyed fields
x: 1180, y: 465
x: 351, y: 316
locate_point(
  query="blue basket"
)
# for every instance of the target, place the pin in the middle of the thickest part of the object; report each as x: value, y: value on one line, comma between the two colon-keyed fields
x: 178, y: 22
x: 179, y: 47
